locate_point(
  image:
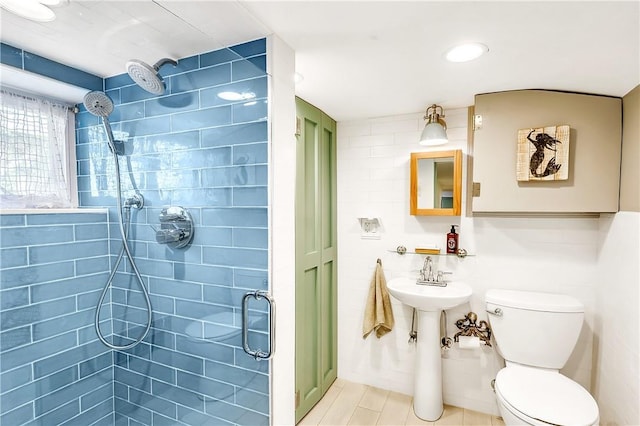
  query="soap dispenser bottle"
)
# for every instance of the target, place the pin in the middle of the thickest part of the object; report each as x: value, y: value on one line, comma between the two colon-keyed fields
x: 452, y: 240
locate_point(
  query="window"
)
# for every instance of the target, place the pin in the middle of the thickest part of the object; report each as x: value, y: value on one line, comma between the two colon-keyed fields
x: 37, y: 151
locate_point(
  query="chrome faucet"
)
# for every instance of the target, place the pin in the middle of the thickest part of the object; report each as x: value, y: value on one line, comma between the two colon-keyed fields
x: 426, y: 273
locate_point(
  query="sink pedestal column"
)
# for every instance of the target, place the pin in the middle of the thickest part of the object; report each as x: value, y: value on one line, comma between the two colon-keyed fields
x: 427, y: 393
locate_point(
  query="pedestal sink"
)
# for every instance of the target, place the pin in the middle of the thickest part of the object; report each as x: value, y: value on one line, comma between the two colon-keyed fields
x: 429, y: 302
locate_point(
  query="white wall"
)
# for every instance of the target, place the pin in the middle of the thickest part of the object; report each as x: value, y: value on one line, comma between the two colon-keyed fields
x: 282, y: 180
x: 616, y: 348
x: 545, y: 254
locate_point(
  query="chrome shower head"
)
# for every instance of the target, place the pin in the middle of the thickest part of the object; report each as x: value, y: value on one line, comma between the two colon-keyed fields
x: 146, y: 76
x: 101, y: 105
x: 98, y: 103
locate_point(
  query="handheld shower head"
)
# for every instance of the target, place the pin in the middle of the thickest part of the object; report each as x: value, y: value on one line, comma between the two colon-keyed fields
x: 98, y: 103
x: 101, y: 105
x: 147, y: 76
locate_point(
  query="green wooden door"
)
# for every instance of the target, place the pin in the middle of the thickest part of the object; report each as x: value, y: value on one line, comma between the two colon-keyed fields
x: 316, y: 301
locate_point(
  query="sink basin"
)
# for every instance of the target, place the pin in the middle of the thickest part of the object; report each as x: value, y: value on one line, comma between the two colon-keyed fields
x: 427, y: 297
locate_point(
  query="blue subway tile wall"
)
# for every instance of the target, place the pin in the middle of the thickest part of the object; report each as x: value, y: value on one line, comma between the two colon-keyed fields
x: 31, y: 62
x: 193, y: 148
x: 52, y: 371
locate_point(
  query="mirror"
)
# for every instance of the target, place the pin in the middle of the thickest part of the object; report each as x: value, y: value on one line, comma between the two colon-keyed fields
x: 436, y: 183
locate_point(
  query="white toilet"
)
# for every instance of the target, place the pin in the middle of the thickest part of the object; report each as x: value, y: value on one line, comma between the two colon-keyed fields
x: 535, y: 334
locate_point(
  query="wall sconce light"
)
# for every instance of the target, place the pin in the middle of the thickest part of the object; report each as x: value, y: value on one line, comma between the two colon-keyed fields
x: 435, y: 132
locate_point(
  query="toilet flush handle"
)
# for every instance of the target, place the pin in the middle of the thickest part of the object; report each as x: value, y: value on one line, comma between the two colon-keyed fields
x: 497, y: 312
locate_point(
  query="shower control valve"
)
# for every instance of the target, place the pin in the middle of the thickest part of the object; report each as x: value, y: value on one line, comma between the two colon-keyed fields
x: 176, y: 227
x: 136, y: 200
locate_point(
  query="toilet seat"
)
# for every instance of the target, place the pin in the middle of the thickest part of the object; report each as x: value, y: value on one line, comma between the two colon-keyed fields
x: 546, y: 396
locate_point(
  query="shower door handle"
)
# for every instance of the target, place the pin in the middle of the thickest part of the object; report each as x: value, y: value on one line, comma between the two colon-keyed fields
x: 258, y: 354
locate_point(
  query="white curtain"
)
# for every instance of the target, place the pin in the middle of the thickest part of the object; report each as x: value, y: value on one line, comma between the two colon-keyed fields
x: 34, y: 170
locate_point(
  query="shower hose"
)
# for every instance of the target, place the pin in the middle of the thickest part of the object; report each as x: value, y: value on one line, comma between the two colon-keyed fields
x: 124, y: 231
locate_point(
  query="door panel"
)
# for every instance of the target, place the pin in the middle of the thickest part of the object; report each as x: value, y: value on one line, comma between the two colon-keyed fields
x: 310, y: 184
x: 309, y: 385
x: 316, y: 328
x: 327, y: 319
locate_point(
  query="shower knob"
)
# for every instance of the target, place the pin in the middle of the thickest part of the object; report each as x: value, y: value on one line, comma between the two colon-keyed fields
x: 176, y: 227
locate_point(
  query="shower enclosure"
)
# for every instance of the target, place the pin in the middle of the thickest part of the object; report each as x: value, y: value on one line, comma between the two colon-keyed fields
x: 186, y: 146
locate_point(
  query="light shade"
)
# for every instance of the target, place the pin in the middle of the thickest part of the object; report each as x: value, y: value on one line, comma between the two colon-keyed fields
x: 435, y: 132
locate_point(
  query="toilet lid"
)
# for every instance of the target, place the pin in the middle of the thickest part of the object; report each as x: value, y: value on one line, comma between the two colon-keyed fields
x: 547, y: 396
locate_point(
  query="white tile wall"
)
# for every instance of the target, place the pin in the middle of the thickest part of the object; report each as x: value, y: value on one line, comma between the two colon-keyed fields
x: 617, y: 353
x: 545, y: 254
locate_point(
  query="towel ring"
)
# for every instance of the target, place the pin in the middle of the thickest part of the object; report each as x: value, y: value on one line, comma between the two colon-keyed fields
x: 379, y: 262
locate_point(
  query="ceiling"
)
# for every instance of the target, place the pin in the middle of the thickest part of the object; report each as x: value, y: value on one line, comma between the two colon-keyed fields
x: 362, y: 59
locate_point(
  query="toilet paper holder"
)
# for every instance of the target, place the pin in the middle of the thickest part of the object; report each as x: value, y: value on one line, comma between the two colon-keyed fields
x: 469, y: 327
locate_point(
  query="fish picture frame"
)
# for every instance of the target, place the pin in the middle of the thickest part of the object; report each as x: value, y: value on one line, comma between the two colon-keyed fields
x: 543, y: 154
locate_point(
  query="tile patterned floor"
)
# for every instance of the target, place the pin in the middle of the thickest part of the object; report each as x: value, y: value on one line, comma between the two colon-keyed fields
x: 347, y: 403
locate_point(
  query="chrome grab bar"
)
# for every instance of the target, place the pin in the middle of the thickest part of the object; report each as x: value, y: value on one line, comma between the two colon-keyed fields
x: 259, y: 354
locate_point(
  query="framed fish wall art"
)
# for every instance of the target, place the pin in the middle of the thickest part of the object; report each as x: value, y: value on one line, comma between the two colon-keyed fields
x: 543, y: 154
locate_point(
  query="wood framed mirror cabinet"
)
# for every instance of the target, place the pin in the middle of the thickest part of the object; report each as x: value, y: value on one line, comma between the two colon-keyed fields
x: 436, y: 183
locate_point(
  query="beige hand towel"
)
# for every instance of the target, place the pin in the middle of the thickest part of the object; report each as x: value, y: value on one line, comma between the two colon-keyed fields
x: 378, y: 315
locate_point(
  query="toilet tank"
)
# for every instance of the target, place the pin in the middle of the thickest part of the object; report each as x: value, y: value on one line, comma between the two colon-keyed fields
x: 535, y: 329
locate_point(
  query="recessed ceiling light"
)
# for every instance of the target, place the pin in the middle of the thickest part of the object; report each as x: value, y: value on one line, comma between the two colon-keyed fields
x: 30, y: 9
x: 465, y: 52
